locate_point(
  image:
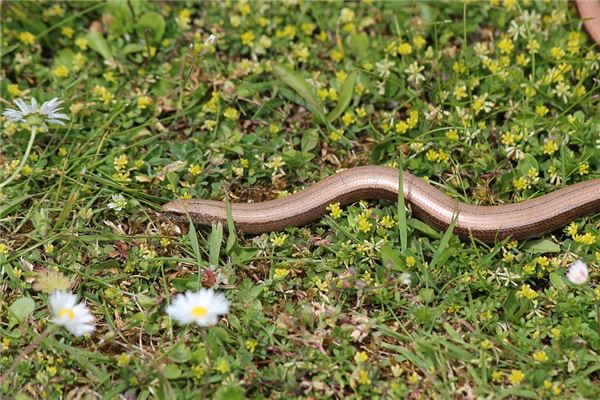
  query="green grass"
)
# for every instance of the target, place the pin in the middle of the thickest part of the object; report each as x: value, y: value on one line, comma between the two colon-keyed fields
x: 289, y: 94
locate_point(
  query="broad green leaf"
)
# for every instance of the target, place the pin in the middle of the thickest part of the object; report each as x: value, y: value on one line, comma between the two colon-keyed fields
x: 346, y: 93
x: 172, y: 371
x: 427, y: 294
x: 299, y: 85
x: 310, y: 140
x: 155, y: 23
x: 99, y: 45
x: 20, y: 310
x: 231, y: 392
x: 557, y: 281
x: 180, y: 353
x: 542, y: 246
x: 391, y: 259
x: 358, y: 44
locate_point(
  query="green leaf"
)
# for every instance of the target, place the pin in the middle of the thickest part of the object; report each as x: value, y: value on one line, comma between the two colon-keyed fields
x: 542, y: 246
x: 299, y: 85
x: 193, y: 237
x: 423, y: 228
x: 231, y: 234
x: 230, y: 392
x: 20, y: 310
x: 215, y: 239
x: 557, y: 281
x: 391, y: 259
x: 310, y: 140
x: 180, y: 353
x: 346, y: 93
x: 155, y: 23
x: 427, y: 294
x: 172, y: 371
x: 99, y: 45
x: 358, y: 44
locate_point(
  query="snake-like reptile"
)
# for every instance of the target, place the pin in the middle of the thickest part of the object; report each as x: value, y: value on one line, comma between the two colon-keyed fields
x: 487, y: 223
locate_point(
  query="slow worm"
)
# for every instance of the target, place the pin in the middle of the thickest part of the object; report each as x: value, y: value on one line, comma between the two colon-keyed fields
x: 589, y: 11
x: 487, y: 223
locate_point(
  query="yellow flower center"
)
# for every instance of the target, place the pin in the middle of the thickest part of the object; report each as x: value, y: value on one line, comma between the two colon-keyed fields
x: 199, y: 311
x: 66, y: 312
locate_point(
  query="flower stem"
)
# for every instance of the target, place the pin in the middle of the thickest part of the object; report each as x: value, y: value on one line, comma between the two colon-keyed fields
x: 209, y: 366
x: 32, y: 346
x: 598, y: 316
x: 24, y: 160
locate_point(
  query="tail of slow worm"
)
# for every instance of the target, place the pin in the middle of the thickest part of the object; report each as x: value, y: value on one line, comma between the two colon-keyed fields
x: 589, y: 10
x: 486, y: 223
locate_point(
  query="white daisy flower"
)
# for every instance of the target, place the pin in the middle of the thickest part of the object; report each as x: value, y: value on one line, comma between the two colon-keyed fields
x: 47, y: 113
x: 201, y: 307
x: 578, y: 273
x: 76, y: 318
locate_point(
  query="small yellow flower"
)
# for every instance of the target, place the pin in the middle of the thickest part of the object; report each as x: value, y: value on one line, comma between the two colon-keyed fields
x: 67, y: 31
x: 121, y: 162
x: 419, y: 41
x: 431, y: 155
x: 278, y: 240
x: 14, y: 91
x: 486, y: 344
x: 460, y: 92
x: 348, y: 118
x: 123, y: 360
x: 61, y: 71
x: 281, y: 273
x: 251, y: 345
x: 516, y: 376
x: 361, y: 357
x: 452, y: 134
x: 520, y: 183
x: 195, y: 169
x: 364, y: 225
x: 401, y: 127
x: 334, y: 210
x: 388, y: 222
x: 363, y: 377
x: 497, y: 376
x: 404, y: 49
x: 337, y: 56
x: 584, y: 168
x: 540, y: 356
x: 336, y: 135
x: 533, y: 46
x: 82, y: 43
x: 3, y: 249
x: 411, y: 261
x: 557, y: 53
x: 527, y: 292
x: 341, y: 76
x: 231, y: 113
x: 143, y: 102
x: 27, y: 38
x: 49, y: 248
x: 506, y: 45
x: 223, y: 366
x: 587, y: 238
x: 247, y: 38
x: 333, y: 94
